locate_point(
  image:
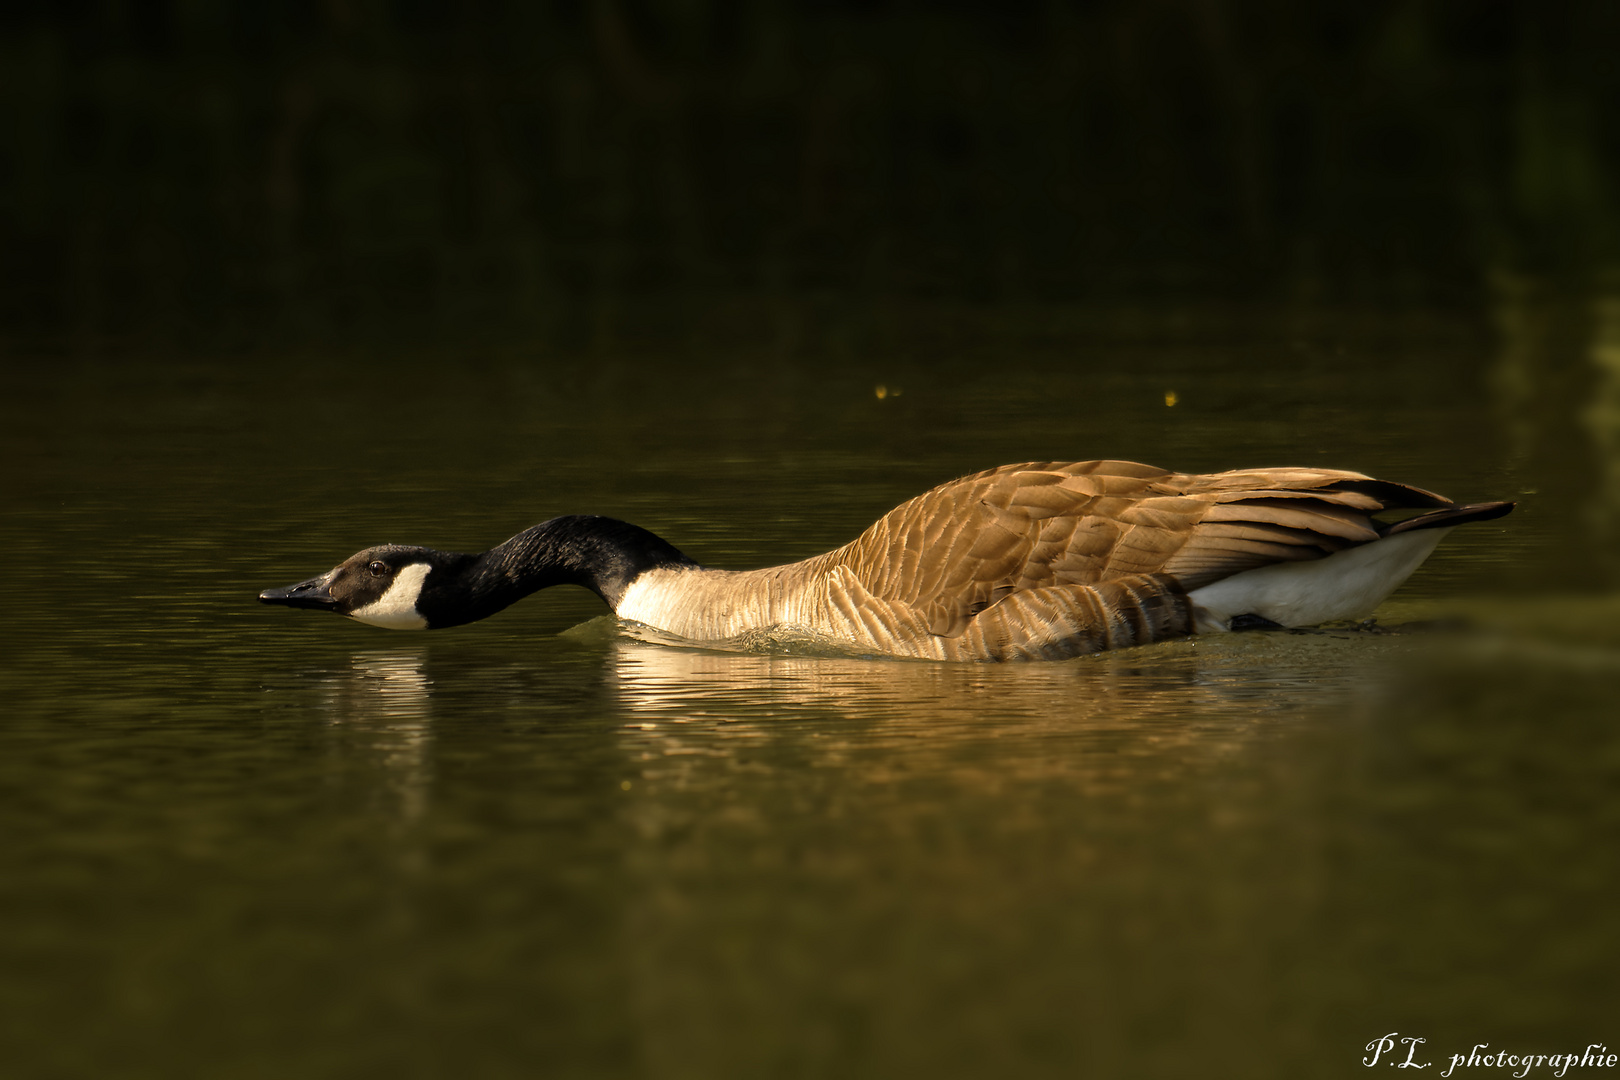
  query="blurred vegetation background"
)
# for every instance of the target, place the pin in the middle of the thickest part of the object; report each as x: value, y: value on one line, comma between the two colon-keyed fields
x: 1415, y: 200
x: 182, y: 171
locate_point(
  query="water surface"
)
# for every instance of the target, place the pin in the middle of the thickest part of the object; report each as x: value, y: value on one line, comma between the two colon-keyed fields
x: 245, y: 841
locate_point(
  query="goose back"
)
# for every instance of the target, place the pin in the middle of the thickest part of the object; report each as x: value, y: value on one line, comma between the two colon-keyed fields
x: 1051, y: 559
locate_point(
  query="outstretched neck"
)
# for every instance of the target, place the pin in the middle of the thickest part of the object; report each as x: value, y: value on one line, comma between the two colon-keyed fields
x: 601, y: 554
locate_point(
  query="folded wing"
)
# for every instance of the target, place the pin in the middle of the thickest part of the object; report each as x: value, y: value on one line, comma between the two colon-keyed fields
x: 966, y: 546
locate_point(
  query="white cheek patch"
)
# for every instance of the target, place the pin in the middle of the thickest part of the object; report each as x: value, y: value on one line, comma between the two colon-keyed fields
x: 396, y: 608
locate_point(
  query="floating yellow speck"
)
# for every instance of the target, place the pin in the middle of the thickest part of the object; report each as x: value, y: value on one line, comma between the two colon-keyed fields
x: 624, y: 785
x: 1170, y: 399
x: 881, y: 391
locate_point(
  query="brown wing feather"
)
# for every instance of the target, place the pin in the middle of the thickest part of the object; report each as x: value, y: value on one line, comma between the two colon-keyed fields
x: 967, y: 546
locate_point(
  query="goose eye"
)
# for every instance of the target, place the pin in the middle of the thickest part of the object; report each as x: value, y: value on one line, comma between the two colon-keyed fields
x: 378, y: 568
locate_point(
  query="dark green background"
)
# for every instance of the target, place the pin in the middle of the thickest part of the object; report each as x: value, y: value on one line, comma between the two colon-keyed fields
x: 243, y: 174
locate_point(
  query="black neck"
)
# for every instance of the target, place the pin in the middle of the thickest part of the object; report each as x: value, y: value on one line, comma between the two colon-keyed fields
x: 599, y: 553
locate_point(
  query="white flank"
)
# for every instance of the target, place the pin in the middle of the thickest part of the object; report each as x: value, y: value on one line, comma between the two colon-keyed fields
x: 396, y: 608
x: 702, y: 605
x: 1347, y: 585
x: 648, y: 600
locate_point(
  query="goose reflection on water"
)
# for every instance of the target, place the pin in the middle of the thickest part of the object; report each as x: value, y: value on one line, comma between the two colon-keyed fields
x: 381, y: 711
x: 1191, y: 695
x: 649, y: 681
x: 1094, y: 723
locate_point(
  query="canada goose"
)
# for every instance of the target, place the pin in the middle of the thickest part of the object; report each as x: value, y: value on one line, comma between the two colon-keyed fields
x: 1036, y: 561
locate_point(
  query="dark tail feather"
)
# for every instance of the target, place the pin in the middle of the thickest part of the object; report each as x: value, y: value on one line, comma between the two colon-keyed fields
x: 1394, y: 496
x: 1451, y: 515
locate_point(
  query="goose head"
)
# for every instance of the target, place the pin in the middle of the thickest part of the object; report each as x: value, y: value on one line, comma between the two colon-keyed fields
x: 384, y: 586
x: 417, y: 588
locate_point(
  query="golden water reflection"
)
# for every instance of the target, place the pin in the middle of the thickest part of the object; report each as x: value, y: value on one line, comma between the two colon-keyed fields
x: 1116, y: 722
x: 822, y: 838
x: 1205, y: 678
x: 381, y: 710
